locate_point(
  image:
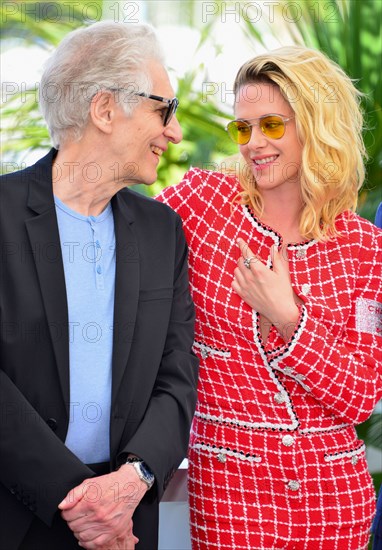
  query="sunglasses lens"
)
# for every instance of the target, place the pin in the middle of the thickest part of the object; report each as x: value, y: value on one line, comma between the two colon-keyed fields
x: 239, y: 132
x: 171, y: 109
x: 272, y: 126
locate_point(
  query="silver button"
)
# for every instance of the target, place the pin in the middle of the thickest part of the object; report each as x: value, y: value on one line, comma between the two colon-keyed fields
x: 279, y: 397
x: 301, y: 254
x: 293, y: 485
x: 305, y: 289
x: 288, y: 440
x: 221, y: 457
x: 354, y: 459
x: 300, y: 377
x: 288, y: 370
x: 204, y: 353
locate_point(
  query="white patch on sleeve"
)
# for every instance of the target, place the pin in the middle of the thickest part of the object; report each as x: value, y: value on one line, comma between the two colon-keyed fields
x: 368, y: 316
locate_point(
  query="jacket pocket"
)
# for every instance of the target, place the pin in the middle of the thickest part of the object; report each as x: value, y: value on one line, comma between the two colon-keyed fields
x: 206, y: 350
x: 224, y: 453
x: 347, y: 455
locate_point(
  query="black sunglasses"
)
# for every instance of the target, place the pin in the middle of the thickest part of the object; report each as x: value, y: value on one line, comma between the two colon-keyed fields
x: 172, y: 104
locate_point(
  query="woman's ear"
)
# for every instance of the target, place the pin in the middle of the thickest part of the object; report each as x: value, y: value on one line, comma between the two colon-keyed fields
x: 102, y: 110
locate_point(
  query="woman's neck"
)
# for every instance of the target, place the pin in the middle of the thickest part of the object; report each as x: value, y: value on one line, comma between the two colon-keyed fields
x: 283, y: 214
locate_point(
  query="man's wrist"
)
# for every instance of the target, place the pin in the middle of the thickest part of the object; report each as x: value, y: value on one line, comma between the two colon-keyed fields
x: 143, y: 471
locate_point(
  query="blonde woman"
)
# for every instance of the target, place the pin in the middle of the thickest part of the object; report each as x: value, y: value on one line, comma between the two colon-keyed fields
x: 286, y: 280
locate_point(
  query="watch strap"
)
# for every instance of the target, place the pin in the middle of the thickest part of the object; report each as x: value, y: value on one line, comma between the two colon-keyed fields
x: 132, y: 459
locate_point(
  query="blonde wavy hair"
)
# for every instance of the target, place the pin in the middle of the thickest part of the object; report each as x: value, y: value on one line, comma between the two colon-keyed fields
x: 329, y: 125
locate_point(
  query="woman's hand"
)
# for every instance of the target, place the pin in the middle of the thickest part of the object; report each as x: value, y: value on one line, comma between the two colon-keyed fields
x: 269, y: 292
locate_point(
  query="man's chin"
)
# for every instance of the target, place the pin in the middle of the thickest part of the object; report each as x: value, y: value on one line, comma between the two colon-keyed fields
x: 136, y: 181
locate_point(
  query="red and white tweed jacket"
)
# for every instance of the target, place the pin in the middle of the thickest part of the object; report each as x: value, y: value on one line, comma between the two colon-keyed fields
x: 273, y: 448
x: 329, y: 375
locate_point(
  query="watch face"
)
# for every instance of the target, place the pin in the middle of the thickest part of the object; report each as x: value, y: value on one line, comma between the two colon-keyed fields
x: 146, y: 472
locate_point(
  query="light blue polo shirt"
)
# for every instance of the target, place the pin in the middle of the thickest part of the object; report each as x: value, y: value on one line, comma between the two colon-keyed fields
x: 88, y: 251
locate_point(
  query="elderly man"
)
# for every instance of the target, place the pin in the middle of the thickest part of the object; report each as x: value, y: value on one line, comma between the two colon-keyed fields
x: 97, y: 379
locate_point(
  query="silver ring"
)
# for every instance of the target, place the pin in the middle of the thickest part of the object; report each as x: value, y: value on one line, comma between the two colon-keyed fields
x: 247, y: 261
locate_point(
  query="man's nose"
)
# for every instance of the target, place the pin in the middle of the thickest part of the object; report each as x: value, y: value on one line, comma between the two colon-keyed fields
x: 173, y: 131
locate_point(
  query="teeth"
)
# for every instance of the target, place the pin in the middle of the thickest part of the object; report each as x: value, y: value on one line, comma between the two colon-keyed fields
x: 264, y: 161
x: 157, y: 150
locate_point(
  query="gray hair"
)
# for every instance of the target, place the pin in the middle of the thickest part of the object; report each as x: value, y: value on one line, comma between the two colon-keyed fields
x: 105, y: 55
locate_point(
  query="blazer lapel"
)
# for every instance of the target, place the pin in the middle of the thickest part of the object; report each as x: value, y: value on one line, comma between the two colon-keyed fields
x: 45, y: 243
x: 126, y: 289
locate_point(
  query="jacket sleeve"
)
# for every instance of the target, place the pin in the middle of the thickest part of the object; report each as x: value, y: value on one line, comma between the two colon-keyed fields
x: 162, y: 437
x: 41, y: 474
x: 341, y: 366
x: 189, y: 197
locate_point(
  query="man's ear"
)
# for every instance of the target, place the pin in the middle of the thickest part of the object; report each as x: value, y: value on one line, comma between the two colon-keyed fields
x: 102, y: 111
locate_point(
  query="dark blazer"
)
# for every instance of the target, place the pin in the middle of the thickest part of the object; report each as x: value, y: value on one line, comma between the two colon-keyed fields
x: 154, y: 371
x: 377, y: 524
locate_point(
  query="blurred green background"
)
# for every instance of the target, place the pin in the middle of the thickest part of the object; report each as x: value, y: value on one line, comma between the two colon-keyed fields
x: 348, y: 31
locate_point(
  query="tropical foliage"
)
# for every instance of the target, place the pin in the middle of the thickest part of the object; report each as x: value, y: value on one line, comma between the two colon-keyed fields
x: 41, y: 24
x: 349, y: 31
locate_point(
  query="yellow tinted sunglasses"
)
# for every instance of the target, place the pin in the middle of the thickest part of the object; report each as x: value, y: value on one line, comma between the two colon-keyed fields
x: 272, y: 126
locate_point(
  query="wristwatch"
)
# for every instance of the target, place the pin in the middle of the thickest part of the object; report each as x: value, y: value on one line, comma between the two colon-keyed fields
x: 143, y: 471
